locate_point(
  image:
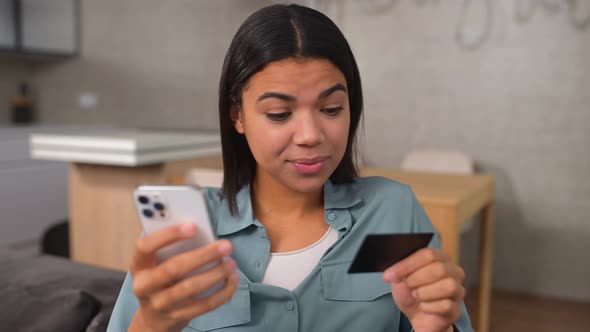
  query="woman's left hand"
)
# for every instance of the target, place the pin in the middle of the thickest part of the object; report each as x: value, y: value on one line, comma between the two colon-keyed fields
x: 428, y: 288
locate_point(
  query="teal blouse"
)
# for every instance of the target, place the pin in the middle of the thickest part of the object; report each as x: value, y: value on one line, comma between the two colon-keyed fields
x: 328, y: 299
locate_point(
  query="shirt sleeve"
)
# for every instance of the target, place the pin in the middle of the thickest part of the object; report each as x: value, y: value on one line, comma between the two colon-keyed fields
x: 421, y: 223
x: 125, y: 307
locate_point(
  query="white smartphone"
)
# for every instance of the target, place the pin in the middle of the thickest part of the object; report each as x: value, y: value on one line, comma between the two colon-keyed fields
x: 164, y: 206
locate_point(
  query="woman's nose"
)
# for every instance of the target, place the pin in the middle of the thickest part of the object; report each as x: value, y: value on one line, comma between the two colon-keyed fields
x: 308, y: 131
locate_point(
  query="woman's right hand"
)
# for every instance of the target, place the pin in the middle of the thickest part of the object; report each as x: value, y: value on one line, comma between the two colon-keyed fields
x: 166, y: 300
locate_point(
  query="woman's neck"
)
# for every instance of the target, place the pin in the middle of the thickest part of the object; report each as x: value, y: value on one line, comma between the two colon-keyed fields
x: 292, y: 219
x: 272, y: 198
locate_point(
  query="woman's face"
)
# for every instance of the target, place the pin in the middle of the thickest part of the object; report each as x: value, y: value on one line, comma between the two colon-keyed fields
x: 295, y: 116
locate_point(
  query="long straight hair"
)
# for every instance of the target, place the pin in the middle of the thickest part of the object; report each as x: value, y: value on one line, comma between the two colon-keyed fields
x: 271, y: 34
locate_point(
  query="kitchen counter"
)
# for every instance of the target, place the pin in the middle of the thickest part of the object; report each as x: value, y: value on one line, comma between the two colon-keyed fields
x: 123, y: 147
x: 106, y: 165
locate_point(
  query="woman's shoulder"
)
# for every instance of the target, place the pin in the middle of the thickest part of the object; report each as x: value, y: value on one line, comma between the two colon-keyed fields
x: 212, y: 194
x: 213, y: 198
x: 383, y: 194
x: 381, y: 187
x: 386, y: 205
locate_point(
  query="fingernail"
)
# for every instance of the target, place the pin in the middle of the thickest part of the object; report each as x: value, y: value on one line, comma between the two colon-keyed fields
x: 224, y: 248
x: 414, y: 295
x: 188, y: 228
x: 230, y: 264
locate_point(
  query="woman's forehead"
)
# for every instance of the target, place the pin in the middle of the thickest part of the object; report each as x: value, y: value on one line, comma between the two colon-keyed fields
x: 295, y: 75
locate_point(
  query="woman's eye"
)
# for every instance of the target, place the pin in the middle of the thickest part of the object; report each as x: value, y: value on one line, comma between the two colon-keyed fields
x: 332, y: 110
x: 278, y: 116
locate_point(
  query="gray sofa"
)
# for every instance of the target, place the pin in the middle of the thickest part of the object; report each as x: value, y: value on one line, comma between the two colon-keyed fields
x: 49, y: 293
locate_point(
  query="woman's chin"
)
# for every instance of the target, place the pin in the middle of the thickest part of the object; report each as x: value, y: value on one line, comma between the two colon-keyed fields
x: 307, y: 185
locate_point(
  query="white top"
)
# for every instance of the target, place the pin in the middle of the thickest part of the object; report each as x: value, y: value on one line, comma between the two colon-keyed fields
x: 124, y: 147
x: 288, y: 269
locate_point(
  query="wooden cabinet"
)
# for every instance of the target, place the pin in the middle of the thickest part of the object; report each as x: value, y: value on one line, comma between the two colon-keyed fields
x: 104, y: 225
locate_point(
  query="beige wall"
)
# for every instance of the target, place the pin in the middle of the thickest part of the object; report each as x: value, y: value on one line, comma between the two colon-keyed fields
x: 151, y: 63
x: 519, y: 105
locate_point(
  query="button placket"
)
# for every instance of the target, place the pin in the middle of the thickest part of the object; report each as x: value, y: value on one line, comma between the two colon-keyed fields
x: 290, y: 305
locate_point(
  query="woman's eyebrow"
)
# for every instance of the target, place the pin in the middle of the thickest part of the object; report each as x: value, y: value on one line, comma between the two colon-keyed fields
x: 286, y: 97
x: 332, y: 89
x: 278, y: 95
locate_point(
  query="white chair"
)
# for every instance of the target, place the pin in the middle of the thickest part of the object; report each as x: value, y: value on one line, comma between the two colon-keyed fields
x: 440, y: 161
x: 204, y: 177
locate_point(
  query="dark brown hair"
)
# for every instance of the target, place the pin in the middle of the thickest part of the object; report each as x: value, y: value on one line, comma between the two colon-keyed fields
x: 271, y: 34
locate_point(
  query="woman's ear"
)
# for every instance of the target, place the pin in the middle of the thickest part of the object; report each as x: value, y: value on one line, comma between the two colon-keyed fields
x: 236, y: 117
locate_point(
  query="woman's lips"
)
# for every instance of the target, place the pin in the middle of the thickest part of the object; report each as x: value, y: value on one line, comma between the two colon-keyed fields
x: 309, y: 165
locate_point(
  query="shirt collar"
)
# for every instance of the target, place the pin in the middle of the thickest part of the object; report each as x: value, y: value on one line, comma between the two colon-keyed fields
x: 340, y: 196
x: 336, y: 196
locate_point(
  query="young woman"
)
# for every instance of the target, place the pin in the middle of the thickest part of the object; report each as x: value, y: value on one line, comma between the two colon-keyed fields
x: 292, y: 211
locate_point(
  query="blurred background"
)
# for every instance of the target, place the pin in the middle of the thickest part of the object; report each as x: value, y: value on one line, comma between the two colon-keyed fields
x: 505, y: 82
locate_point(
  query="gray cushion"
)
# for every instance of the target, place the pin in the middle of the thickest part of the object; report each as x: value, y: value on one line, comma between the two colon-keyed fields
x: 43, y: 309
x: 80, y: 286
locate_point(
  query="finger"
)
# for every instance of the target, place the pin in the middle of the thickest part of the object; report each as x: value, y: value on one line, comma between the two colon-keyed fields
x: 146, y: 247
x: 407, y: 266
x: 194, y: 285
x: 448, y: 288
x: 211, y: 302
x: 446, y: 308
x: 434, y: 272
x: 176, y: 267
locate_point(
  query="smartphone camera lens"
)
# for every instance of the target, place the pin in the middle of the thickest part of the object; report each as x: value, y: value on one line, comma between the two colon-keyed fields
x: 143, y: 199
x: 148, y: 213
x: 158, y: 206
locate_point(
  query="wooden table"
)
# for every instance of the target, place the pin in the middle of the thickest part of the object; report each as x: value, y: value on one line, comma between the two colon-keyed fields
x: 449, y: 201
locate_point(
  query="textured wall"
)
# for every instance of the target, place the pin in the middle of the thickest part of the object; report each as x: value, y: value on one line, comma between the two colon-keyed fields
x: 151, y: 63
x: 519, y: 105
x: 12, y: 72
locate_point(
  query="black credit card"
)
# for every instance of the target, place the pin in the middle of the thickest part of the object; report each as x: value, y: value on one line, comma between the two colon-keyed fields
x: 380, y: 251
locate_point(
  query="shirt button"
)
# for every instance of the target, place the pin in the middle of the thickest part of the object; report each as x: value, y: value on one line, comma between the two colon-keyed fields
x: 331, y: 217
x: 290, y: 305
